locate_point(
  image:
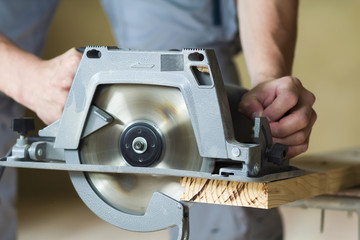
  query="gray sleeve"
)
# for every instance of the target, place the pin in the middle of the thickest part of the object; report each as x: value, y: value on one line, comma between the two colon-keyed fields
x: 27, y: 22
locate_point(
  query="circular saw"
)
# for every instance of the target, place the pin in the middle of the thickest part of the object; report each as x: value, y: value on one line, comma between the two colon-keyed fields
x: 135, y: 122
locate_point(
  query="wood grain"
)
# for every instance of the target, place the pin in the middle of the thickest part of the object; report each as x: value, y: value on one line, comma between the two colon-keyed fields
x: 326, y: 173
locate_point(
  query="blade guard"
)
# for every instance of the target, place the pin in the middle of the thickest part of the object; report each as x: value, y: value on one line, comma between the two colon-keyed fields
x: 163, y: 212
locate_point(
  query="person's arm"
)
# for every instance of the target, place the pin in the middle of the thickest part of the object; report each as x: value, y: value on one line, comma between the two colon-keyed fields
x: 40, y: 85
x: 268, y: 35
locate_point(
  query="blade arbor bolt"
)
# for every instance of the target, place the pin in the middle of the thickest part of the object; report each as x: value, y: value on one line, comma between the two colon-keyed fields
x: 139, y: 145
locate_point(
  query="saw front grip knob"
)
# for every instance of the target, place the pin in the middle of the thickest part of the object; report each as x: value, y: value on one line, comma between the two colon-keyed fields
x: 23, y: 125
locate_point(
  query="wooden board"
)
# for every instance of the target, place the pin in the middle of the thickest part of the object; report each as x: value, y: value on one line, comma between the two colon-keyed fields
x: 326, y: 173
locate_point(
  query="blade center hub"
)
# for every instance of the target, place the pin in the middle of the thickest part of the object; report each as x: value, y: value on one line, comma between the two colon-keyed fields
x: 141, y: 144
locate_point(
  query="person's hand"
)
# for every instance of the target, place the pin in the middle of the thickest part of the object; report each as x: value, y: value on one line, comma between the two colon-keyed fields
x: 288, y: 107
x: 48, y: 83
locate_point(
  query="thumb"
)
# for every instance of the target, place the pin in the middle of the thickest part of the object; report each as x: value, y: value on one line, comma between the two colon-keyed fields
x: 70, y: 58
x: 250, y: 106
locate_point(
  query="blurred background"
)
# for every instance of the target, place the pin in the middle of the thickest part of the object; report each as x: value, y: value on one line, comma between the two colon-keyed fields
x: 327, y: 61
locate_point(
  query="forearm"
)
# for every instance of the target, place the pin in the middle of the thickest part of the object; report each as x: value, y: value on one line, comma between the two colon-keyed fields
x: 268, y: 35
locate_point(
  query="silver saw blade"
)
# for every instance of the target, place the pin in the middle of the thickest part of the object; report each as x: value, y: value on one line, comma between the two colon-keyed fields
x: 164, y: 108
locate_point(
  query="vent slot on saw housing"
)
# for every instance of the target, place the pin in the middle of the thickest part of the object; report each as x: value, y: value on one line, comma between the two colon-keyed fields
x: 202, y: 75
